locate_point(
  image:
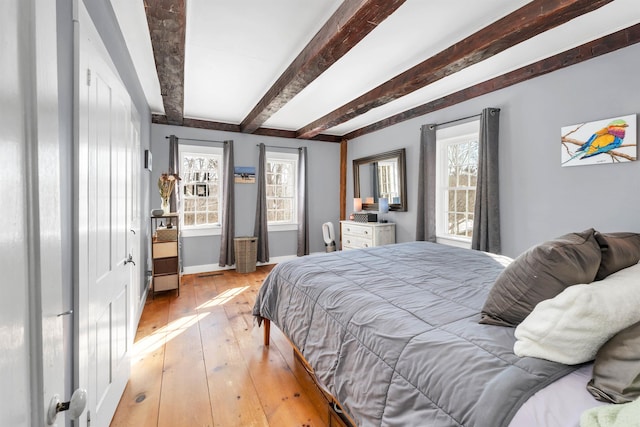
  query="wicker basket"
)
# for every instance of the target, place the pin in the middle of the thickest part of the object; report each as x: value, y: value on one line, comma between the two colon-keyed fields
x: 166, y: 234
x: 246, y: 249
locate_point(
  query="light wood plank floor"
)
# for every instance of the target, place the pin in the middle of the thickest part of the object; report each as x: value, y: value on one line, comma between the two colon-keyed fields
x: 198, y: 360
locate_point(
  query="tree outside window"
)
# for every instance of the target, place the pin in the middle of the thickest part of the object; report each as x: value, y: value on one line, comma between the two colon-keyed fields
x: 456, y: 181
x: 200, y: 170
x: 281, y: 169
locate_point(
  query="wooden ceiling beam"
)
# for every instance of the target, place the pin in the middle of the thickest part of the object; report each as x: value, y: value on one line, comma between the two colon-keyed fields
x: 167, y: 22
x: 229, y: 127
x: 527, y: 22
x: 350, y: 23
x: 612, y: 42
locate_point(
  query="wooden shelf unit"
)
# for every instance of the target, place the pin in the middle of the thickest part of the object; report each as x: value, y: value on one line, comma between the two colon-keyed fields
x: 165, y: 253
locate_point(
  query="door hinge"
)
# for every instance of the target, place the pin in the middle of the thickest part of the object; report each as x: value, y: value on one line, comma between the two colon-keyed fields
x: 88, y: 418
x: 88, y: 77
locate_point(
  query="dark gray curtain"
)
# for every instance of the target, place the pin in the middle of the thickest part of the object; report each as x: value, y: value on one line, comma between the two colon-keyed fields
x: 174, y: 168
x: 227, y: 256
x: 486, y: 217
x: 175, y: 199
x: 426, y: 223
x: 260, y: 228
x: 375, y: 182
x: 303, y: 220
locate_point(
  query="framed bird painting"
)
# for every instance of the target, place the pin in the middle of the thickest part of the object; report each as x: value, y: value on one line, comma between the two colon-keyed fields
x: 602, y: 141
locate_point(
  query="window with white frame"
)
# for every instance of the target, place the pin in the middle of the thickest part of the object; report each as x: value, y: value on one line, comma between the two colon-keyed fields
x: 456, y: 180
x: 281, y: 186
x: 200, y: 187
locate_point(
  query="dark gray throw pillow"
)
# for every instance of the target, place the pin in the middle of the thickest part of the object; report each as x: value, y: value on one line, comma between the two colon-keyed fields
x: 540, y: 273
x: 619, y: 250
x: 616, y: 370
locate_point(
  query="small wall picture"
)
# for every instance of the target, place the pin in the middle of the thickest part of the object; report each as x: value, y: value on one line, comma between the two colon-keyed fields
x: 245, y: 174
x: 603, y: 141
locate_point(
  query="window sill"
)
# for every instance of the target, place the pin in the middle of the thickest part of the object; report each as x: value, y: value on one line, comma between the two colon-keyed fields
x: 201, y: 231
x: 453, y: 241
x: 282, y: 227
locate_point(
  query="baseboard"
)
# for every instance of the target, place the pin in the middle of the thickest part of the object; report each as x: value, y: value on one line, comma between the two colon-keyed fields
x: 204, y: 268
x: 143, y: 301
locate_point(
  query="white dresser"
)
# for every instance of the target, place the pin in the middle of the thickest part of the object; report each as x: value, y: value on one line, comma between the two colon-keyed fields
x: 367, y: 234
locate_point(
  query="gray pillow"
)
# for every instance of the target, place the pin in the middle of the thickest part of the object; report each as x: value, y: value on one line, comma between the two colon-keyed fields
x: 616, y: 370
x: 619, y: 250
x: 540, y: 273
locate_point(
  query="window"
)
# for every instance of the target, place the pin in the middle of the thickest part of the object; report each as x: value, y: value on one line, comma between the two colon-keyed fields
x: 456, y: 180
x: 201, y: 172
x: 387, y: 179
x: 281, y: 186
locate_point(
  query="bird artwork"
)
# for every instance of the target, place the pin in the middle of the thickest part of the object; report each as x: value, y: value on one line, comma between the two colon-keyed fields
x: 603, y: 141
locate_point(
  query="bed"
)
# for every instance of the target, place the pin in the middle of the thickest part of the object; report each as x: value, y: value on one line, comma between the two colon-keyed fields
x: 393, y: 334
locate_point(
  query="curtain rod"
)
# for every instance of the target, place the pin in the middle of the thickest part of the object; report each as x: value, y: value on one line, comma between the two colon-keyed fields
x: 199, y: 140
x: 457, y: 120
x: 493, y: 110
x: 280, y: 146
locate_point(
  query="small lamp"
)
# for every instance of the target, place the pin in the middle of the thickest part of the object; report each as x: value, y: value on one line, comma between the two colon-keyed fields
x: 357, y: 204
x: 368, y: 200
x: 383, y: 207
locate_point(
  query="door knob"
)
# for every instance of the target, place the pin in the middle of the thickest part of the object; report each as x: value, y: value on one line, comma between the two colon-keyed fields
x: 129, y: 260
x: 75, y: 406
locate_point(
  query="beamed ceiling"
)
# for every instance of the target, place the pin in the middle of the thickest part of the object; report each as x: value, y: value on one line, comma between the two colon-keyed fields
x: 332, y: 70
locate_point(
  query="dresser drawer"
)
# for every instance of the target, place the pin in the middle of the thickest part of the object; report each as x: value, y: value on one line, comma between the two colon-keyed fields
x: 166, y: 283
x: 352, y: 242
x: 357, y: 230
x: 165, y: 265
x: 164, y: 250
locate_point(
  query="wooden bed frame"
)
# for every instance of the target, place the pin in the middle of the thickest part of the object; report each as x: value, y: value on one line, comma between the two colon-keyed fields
x: 337, y: 416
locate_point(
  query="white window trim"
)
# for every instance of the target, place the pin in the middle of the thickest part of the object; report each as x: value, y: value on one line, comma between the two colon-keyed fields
x: 198, y: 230
x: 445, y: 137
x: 291, y: 226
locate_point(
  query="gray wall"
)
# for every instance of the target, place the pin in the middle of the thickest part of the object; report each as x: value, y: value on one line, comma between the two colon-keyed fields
x: 324, y: 190
x: 539, y: 199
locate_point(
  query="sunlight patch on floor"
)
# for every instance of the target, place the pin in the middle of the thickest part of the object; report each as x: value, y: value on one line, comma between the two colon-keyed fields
x: 161, y: 336
x: 223, y: 298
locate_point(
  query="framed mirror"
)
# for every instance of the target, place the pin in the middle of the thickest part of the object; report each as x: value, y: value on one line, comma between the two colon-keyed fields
x: 381, y: 175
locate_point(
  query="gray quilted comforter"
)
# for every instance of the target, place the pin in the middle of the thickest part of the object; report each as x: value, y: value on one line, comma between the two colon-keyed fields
x: 393, y: 334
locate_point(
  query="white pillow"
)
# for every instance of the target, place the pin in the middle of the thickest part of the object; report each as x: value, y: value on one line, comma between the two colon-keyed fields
x: 571, y: 327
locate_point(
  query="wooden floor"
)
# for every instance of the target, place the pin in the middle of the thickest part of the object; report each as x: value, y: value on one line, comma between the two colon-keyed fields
x: 198, y: 360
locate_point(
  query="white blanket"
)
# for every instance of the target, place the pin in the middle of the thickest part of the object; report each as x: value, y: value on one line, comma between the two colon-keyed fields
x: 621, y: 415
x: 571, y: 327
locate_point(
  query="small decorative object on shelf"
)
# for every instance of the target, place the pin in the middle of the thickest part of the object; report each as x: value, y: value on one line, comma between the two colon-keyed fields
x: 166, y: 184
x: 166, y: 208
x: 383, y: 208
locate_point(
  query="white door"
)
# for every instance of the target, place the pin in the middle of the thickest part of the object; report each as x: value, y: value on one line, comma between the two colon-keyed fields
x: 134, y: 237
x: 31, y: 350
x: 104, y: 289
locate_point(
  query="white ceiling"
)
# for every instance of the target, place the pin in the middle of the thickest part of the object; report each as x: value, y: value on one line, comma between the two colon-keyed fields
x: 236, y: 49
